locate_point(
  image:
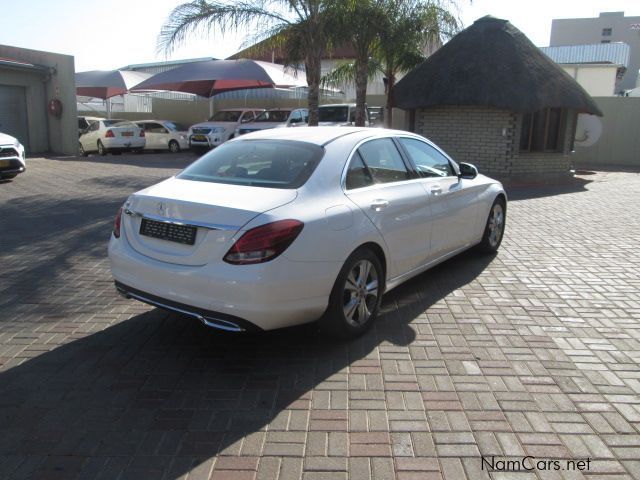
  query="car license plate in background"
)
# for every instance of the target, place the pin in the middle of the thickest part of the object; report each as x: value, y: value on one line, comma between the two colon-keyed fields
x: 185, y: 234
x: 199, y: 138
x: 4, y: 163
x: 127, y: 134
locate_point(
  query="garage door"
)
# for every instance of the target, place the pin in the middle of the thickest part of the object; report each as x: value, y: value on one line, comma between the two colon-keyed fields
x: 13, y: 113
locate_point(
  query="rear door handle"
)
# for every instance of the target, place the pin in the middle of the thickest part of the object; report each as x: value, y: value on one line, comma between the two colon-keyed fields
x: 379, y: 204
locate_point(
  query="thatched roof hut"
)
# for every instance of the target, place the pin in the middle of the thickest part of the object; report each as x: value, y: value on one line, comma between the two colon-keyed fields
x: 491, y: 64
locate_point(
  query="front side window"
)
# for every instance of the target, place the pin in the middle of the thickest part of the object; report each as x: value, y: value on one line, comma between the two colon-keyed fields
x: 542, y: 130
x: 429, y: 161
x: 383, y: 161
x: 257, y: 163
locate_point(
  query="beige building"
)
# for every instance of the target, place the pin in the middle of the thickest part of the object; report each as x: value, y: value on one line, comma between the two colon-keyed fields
x: 608, y: 27
x: 38, y: 100
x: 598, y: 68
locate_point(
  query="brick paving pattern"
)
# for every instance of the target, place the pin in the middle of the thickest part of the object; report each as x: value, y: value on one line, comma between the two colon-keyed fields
x: 533, y: 352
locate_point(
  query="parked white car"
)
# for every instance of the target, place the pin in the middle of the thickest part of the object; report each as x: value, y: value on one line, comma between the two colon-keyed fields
x: 339, y: 114
x: 221, y: 127
x: 164, y: 135
x: 276, y: 118
x: 287, y: 226
x: 111, y: 136
x: 84, y: 122
x: 12, y: 157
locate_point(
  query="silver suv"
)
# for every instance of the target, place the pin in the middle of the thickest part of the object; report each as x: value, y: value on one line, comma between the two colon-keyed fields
x: 221, y: 127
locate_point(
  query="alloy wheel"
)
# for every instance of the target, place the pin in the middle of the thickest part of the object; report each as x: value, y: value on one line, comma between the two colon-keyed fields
x: 360, y: 293
x: 496, y: 224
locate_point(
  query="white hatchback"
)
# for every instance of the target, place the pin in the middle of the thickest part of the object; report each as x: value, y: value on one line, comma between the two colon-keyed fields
x: 164, y: 135
x: 287, y: 226
x: 111, y: 136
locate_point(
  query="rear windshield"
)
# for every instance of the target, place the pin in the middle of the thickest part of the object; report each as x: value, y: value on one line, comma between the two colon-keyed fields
x: 273, y: 116
x: 118, y: 123
x: 257, y: 163
x: 333, y: 114
x: 226, y: 116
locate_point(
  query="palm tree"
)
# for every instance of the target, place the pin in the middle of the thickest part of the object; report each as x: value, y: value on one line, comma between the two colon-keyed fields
x: 299, y: 27
x: 406, y: 29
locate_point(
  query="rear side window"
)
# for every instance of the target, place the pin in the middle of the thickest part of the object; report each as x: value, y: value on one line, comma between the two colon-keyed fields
x: 358, y: 175
x: 428, y: 161
x: 258, y: 163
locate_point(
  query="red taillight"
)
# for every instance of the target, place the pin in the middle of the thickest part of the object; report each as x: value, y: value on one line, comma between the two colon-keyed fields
x: 116, y: 224
x: 263, y: 243
x: 141, y: 133
x: 109, y: 134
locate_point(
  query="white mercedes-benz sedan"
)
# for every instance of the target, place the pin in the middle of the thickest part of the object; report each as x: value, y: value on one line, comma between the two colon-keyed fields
x: 288, y: 226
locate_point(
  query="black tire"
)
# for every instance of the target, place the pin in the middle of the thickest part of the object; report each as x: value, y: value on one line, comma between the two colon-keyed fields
x: 494, y: 228
x: 101, y: 150
x: 350, y: 289
x: 81, y: 151
x: 174, y: 147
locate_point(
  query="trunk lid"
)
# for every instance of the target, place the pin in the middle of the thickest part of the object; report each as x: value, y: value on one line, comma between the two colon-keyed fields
x: 216, y: 210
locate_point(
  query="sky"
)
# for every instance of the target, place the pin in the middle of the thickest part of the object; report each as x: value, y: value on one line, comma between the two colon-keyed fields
x: 110, y: 34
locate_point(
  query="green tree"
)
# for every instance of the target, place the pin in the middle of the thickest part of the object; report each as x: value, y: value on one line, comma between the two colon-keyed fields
x: 300, y: 28
x: 405, y: 28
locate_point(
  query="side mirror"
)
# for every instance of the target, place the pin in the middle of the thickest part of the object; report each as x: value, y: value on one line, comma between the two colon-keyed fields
x: 468, y: 171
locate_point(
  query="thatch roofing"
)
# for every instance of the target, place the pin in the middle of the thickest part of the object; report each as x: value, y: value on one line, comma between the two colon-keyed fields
x: 491, y: 64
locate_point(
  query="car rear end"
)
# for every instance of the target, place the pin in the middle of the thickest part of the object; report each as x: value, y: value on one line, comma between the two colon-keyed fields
x: 12, y: 157
x: 208, y: 245
x: 123, y: 136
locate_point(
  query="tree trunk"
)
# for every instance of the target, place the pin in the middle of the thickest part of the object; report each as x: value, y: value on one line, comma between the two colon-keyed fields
x: 391, y: 81
x: 313, y: 67
x: 361, y: 67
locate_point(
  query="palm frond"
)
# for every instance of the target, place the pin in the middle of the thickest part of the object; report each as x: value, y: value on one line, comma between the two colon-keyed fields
x: 205, y: 16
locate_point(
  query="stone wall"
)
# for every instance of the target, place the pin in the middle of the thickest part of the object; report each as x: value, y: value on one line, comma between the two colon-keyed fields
x: 489, y: 138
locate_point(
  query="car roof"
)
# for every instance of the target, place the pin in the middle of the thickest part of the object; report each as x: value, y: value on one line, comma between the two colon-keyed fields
x: 322, y: 135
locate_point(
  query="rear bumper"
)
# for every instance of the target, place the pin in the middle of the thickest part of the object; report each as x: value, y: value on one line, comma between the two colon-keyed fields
x: 123, y: 143
x: 221, y: 321
x: 265, y: 296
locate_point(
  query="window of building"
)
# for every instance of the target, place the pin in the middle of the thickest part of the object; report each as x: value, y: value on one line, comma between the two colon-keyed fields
x: 606, y: 32
x: 542, y: 130
x: 605, y: 41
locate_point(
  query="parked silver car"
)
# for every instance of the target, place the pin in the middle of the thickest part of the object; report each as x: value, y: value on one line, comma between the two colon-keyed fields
x: 276, y: 118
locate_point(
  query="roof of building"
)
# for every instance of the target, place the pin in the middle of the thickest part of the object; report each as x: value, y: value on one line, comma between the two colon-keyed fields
x: 491, y: 64
x: 15, y: 64
x: 616, y: 53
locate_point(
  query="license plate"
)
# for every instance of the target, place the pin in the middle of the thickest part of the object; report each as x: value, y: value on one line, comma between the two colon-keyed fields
x: 199, y: 138
x: 185, y: 234
x: 127, y: 134
x: 4, y: 163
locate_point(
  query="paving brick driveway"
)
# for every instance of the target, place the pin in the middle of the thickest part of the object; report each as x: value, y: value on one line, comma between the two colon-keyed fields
x: 534, y: 352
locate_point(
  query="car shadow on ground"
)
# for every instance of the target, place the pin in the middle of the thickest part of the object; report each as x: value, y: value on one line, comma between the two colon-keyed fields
x: 146, y: 159
x: 158, y: 394
x: 523, y: 191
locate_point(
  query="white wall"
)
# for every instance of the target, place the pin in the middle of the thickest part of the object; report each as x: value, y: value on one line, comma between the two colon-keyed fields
x: 598, y: 80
